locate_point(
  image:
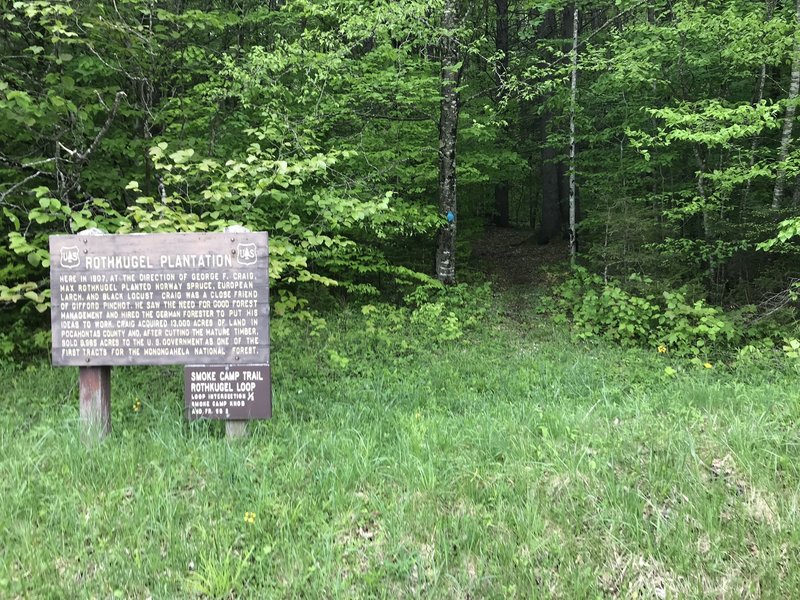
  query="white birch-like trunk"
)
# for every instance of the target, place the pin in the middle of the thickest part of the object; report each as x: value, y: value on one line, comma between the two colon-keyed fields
x: 788, y: 120
x: 501, y: 188
x: 448, y: 130
x: 762, y: 77
x: 573, y: 242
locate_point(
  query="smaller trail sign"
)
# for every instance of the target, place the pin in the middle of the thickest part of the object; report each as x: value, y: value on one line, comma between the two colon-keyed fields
x: 236, y: 392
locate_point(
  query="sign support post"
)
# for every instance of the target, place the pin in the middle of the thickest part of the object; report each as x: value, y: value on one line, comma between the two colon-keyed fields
x: 94, y: 384
x: 236, y: 429
x: 95, y: 402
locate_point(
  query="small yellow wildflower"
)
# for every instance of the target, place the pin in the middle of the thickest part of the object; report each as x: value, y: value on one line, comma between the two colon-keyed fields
x: 137, y: 406
x: 249, y: 518
x: 708, y: 365
x: 662, y: 349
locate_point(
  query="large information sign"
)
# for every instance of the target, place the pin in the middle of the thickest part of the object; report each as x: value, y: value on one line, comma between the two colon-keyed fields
x: 165, y: 298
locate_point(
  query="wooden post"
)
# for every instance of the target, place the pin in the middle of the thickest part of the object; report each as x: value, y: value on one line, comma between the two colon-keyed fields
x: 236, y: 429
x: 95, y: 402
x: 95, y: 392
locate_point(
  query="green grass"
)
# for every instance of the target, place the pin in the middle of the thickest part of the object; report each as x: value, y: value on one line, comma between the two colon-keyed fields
x: 509, y: 463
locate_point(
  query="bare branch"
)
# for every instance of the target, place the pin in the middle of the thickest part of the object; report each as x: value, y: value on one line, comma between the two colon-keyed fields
x: 3, y: 195
x: 777, y: 301
x: 106, y: 126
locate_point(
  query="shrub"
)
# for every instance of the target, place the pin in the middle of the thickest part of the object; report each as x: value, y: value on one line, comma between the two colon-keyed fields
x: 669, y: 321
x: 432, y: 313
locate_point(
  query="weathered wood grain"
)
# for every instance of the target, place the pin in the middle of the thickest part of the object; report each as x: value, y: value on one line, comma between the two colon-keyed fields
x: 95, y: 402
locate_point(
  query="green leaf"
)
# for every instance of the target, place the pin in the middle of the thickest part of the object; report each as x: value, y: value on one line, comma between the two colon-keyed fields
x: 181, y: 156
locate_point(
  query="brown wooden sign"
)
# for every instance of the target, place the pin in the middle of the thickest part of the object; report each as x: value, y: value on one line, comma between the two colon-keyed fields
x: 163, y: 298
x: 239, y: 392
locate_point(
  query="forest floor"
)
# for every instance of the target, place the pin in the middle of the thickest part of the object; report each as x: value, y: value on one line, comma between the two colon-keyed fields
x: 512, y: 257
x: 511, y: 462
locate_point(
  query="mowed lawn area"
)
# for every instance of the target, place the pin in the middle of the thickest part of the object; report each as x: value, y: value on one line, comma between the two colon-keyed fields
x: 512, y: 462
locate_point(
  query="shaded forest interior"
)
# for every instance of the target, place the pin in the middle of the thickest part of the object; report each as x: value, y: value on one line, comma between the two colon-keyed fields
x: 373, y: 140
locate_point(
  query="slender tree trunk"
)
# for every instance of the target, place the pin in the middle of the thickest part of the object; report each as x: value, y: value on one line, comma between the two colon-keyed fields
x: 707, y: 232
x: 759, y: 96
x: 550, y: 223
x: 501, y: 188
x: 502, y: 193
x: 448, y: 131
x: 573, y: 241
x: 528, y: 141
x: 788, y: 121
x: 551, y: 218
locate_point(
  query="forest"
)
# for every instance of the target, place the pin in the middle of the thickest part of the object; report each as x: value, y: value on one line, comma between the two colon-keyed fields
x: 374, y: 142
x: 533, y: 281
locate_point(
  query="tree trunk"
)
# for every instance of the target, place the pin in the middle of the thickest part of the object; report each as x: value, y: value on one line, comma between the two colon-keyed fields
x: 573, y: 240
x: 501, y: 188
x: 707, y: 231
x: 759, y: 96
x: 550, y: 224
x: 448, y: 130
x: 551, y: 221
x: 788, y: 122
x: 501, y: 204
x: 796, y: 193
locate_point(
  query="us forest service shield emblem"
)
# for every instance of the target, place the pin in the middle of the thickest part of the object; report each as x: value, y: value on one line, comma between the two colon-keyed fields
x: 70, y: 257
x: 245, y: 254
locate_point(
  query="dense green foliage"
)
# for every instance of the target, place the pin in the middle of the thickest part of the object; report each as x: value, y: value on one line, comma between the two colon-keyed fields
x: 131, y: 117
x: 669, y: 323
x: 319, y: 121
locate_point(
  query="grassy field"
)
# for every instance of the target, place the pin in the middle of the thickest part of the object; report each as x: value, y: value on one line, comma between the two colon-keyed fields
x: 508, y: 463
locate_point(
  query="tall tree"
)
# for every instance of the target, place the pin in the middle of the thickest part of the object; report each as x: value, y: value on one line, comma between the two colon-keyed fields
x: 788, y: 120
x: 502, y: 46
x: 758, y: 97
x: 573, y: 105
x: 551, y: 222
x: 448, y: 132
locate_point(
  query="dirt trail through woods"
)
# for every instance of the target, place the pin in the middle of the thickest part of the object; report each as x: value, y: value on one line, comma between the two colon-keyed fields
x: 512, y: 256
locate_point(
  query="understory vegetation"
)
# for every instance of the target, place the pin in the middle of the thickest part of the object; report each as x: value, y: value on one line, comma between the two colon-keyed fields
x: 638, y: 312
x: 370, y: 141
x: 511, y: 461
